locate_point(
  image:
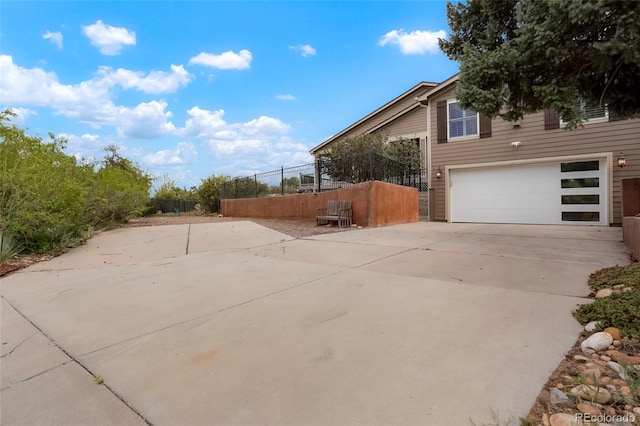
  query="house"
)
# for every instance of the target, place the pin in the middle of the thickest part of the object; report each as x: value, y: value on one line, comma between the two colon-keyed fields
x: 533, y: 171
x: 402, y: 117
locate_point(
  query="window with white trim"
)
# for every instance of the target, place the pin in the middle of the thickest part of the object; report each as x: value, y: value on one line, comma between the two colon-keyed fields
x: 461, y: 122
x: 591, y: 113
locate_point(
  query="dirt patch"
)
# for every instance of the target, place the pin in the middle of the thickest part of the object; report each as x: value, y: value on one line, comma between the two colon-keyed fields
x: 21, y: 262
x: 292, y: 228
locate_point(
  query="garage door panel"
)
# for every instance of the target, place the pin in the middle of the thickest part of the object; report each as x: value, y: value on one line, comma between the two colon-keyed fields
x: 533, y: 193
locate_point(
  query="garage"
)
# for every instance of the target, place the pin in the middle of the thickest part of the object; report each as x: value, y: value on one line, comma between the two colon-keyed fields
x: 555, y: 192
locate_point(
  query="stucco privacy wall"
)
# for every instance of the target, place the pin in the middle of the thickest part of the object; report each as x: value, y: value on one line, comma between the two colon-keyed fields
x: 536, y: 142
x: 630, y: 197
x: 373, y: 203
x: 631, y: 234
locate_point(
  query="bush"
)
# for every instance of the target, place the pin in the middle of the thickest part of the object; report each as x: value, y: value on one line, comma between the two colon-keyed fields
x: 48, y: 199
x: 9, y: 247
x: 620, y: 310
x: 616, y: 275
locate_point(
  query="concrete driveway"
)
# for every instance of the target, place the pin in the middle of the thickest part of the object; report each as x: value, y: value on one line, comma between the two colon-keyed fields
x: 236, y: 324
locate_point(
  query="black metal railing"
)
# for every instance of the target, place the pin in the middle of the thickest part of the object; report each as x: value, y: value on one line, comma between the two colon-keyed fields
x: 332, y: 175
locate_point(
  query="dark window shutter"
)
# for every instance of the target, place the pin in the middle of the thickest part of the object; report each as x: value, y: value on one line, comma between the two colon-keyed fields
x: 551, y: 120
x: 485, y: 126
x: 442, y: 121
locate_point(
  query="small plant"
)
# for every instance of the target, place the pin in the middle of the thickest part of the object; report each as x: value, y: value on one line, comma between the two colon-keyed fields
x: 98, y: 380
x: 628, y: 276
x: 619, y: 310
x: 511, y: 421
x: 9, y: 247
x: 632, y: 377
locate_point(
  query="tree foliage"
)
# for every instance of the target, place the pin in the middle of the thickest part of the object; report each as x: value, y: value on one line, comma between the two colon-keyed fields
x: 370, y: 156
x: 522, y: 56
x: 209, y: 192
x: 168, y: 190
x: 48, y: 199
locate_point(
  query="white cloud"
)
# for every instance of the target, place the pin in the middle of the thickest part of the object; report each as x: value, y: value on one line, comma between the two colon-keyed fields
x: 146, y: 120
x: 304, y: 49
x: 184, y: 153
x: 21, y: 115
x: 108, y: 39
x: 154, y: 83
x: 56, y: 38
x: 87, y: 147
x: 286, y: 97
x: 225, y: 61
x: 415, y: 42
x: 260, y: 144
x: 264, y: 125
x: 90, y: 137
x: 91, y: 101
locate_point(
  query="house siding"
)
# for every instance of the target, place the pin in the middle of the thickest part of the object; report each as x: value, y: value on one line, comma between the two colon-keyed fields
x: 412, y: 123
x: 536, y: 142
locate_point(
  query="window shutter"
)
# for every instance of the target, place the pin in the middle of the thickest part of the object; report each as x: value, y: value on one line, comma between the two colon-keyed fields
x: 551, y: 120
x: 441, y: 110
x: 485, y: 126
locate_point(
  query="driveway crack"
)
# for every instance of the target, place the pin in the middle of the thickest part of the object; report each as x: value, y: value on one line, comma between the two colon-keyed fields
x: 17, y: 346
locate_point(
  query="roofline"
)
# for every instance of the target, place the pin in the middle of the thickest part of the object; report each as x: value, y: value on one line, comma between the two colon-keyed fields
x: 394, y: 117
x: 362, y: 120
x: 439, y: 87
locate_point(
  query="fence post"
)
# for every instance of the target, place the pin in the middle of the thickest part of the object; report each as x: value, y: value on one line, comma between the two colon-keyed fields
x: 317, y: 176
x: 371, y: 166
x: 255, y: 177
x: 282, y: 180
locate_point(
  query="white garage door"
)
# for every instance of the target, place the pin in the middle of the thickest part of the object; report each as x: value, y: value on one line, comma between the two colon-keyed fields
x: 571, y: 192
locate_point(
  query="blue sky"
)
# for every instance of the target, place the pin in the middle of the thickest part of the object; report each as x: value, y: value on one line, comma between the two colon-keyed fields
x: 192, y: 89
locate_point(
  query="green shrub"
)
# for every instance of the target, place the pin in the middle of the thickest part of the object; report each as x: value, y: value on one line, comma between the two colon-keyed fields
x: 48, y: 199
x: 9, y: 247
x: 616, y: 275
x: 620, y: 310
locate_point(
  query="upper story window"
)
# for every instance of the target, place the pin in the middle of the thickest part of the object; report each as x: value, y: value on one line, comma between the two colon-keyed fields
x: 461, y: 122
x: 591, y: 113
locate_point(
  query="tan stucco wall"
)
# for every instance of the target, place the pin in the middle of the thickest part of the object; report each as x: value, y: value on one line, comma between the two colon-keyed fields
x: 373, y: 203
x: 631, y: 196
x: 631, y: 234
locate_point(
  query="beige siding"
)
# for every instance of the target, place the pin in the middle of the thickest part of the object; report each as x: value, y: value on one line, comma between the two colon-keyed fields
x: 409, y: 124
x: 536, y: 142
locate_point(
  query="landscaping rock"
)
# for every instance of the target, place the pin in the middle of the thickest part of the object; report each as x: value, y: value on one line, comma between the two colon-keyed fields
x: 588, y: 409
x: 592, y: 326
x: 581, y: 358
x: 605, y: 292
x: 592, y: 393
x: 563, y: 419
x: 614, y: 332
x: 636, y: 410
x: 591, y: 375
x: 596, y: 342
x: 556, y: 396
x: 624, y: 359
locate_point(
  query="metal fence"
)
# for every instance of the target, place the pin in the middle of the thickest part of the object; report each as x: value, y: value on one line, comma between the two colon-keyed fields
x: 172, y: 206
x: 372, y: 166
x: 300, y: 179
x: 289, y: 180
